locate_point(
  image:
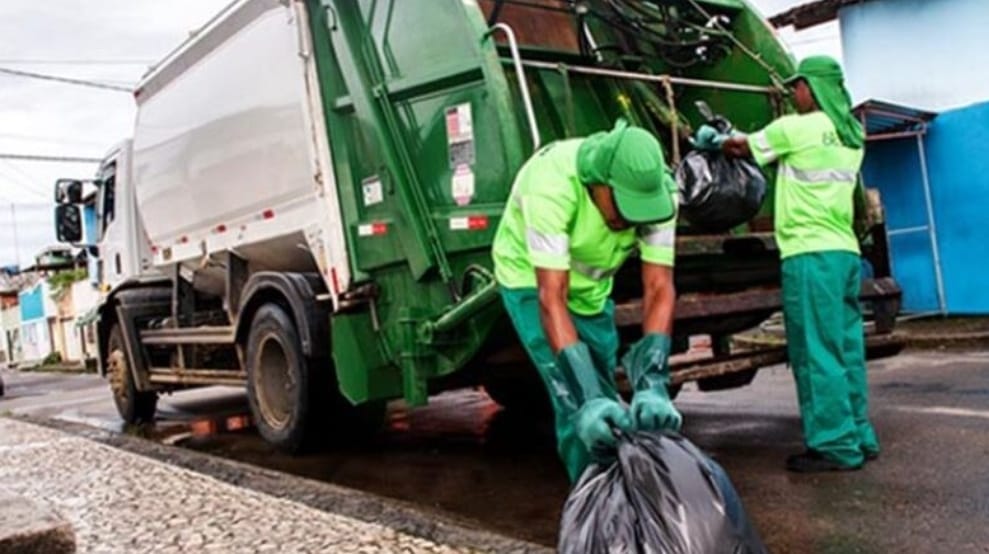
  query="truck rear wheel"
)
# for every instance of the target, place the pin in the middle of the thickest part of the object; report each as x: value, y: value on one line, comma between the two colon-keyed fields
x: 134, y: 406
x: 294, y: 400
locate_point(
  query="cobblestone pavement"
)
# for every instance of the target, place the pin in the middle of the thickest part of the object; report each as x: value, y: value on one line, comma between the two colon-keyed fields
x: 122, y: 502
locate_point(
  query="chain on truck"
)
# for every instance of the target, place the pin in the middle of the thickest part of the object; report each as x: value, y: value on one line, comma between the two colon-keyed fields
x: 307, y: 205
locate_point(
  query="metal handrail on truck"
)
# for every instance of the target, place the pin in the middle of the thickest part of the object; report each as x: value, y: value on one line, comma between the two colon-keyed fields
x: 513, y: 46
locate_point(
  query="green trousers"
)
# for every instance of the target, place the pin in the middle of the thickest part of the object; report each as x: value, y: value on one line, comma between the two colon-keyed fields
x: 598, y: 332
x: 827, y: 352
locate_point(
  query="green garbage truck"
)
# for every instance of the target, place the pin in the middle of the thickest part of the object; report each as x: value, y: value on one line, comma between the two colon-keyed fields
x: 307, y: 204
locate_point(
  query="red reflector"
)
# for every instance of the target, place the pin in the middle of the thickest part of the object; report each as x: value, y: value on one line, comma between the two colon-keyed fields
x: 268, y: 214
x: 154, y: 249
x: 477, y: 222
x: 183, y: 240
x: 335, y: 280
x: 221, y: 228
x: 377, y: 228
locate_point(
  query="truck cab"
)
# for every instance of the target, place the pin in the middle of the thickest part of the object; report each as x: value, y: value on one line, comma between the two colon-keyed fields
x: 110, y: 226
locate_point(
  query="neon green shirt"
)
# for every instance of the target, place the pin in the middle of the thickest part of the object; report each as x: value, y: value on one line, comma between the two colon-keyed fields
x: 551, y: 222
x: 815, y: 183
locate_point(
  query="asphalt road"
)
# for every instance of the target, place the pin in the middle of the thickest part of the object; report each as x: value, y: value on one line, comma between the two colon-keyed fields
x: 928, y: 492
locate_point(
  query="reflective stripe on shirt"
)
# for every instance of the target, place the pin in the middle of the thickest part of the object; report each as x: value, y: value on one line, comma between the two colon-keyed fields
x: 663, y: 236
x: 817, y: 176
x: 588, y: 270
x: 555, y: 245
x: 766, y: 151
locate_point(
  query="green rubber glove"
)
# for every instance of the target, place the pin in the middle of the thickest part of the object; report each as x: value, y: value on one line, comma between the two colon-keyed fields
x: 647, y: 367
x: 597, y: 413
x: 595, y: 422
x: 708, y: 138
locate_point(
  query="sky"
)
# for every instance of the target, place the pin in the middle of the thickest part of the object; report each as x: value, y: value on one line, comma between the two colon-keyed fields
x: 114, y: 42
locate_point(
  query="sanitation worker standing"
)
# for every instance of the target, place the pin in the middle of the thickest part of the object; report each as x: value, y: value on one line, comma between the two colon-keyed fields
x: 577, y: 209
x: 819, y: 153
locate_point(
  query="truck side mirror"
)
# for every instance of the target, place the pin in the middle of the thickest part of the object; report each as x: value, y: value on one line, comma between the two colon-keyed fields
x: 68, y: 223
x: 68, y: 191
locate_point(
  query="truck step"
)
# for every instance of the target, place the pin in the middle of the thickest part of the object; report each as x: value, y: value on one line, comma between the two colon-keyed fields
x: 174, y: 376
x: 188, y: 335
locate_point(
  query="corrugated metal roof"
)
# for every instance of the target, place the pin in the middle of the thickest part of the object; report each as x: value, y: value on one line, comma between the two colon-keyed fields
x: 887, y: 120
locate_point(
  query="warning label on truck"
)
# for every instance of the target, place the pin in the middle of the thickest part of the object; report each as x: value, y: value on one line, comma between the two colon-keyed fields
x: 460, y: 135
x: 462, y: 187
x: 372, y: 191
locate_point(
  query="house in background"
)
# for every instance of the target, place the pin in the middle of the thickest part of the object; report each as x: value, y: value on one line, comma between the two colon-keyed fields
x: 10, y: 319
x: 35, y: 306
x: 917, y: 70
x: 49, y: 307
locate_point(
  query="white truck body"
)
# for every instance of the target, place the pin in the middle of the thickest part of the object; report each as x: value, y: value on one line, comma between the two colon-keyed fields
x: 230, y: 151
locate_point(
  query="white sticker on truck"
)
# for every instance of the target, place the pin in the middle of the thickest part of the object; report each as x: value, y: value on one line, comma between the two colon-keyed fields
x: 372, y: 189
x: 463, y: 185
x: 460, y: 135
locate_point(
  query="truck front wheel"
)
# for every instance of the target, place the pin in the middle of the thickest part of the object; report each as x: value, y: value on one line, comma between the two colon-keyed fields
x: 134, y: 406
x: 293, y: 399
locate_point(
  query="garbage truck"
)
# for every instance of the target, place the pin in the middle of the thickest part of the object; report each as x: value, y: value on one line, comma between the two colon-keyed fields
x: 307, y: 204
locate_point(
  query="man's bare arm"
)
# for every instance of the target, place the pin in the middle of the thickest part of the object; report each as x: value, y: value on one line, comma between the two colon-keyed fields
x: 554, y: 285
x: 659, y: 299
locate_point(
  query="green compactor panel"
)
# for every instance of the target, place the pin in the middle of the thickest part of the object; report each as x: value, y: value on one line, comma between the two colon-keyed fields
x: 433, y: 105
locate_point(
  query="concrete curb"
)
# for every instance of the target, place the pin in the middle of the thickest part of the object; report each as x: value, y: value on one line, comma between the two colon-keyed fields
x: 917, y: 341
x: 27, y: 528
x: 931, y: 341
x: 395, y: 514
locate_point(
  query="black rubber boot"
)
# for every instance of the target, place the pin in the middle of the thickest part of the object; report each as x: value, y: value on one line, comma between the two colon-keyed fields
x: 813, y: 461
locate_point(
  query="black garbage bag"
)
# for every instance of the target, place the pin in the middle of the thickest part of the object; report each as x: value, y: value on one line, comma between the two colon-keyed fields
x: 718, y: 193
x: 661, y: 495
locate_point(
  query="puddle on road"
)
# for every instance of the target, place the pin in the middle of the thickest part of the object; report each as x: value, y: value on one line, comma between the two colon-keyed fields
x: 461, y: 454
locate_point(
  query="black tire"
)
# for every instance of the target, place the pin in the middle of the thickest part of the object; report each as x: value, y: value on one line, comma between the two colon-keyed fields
x: 674, y: 390
x: 295, y: 401
x: 134, y: 406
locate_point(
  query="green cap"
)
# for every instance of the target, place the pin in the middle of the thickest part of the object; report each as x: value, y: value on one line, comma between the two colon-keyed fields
x: 630, y: 161
x: 824, y: 77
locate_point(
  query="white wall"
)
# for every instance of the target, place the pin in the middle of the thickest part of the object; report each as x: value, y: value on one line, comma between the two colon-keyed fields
x: 35, y: 341
x: 84, y: 297
x: 922, y: 53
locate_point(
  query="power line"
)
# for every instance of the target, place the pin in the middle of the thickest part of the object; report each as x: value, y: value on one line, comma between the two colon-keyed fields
x: 17, y: 185
x: 43, y: 158
x: 65, y: 80
x: 17, y: 170
x: 57, y: 140
x: 27, y: 61
x: 12, y: 183
x: 28, y: 182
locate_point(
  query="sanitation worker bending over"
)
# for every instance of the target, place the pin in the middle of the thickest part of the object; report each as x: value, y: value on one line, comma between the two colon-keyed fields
x: 578, y: 208
x: 819, y: 153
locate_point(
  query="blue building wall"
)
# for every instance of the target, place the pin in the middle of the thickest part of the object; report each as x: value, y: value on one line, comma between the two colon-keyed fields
x: 959, y: 178
x: 927, y: 54
x: 959, y: 168
x: 32, y: 303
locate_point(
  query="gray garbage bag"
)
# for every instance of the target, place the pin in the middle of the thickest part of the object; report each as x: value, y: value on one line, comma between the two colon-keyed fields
x: 661, y: 495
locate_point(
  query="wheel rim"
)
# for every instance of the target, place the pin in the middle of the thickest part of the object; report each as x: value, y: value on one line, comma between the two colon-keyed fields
x: 117, y: 367
x: 274, y: 384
